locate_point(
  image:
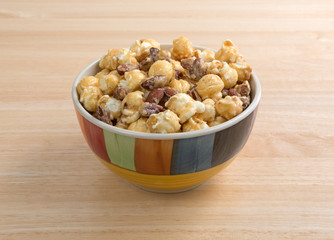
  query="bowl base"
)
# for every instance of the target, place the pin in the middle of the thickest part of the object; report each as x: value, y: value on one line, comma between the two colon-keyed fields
x: 167, y: 191
x: 166, y: 183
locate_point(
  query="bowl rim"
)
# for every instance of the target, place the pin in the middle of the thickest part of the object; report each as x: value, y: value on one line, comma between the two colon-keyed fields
x: 164, y: 136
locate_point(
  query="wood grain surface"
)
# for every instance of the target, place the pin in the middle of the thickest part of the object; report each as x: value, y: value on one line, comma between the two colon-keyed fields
x: 280, y: 187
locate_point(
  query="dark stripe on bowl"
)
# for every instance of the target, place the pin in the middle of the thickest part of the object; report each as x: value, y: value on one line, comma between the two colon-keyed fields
x: 230, y: 141
x: 192, y: 154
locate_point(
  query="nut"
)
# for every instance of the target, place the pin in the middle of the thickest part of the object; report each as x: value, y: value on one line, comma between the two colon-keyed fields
x: 120, y: 93
x: 121, y: 69
x: 156, y: 81
x: 194, y: 94
x: 102, y: 115
x: 196, y: 68
x: 150, y: 108
x: 243, y: 89
x: 155, y: 95
x: 245, y: 102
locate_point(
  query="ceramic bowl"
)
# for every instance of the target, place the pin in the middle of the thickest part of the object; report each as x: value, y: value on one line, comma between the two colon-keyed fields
x: 166, y: 162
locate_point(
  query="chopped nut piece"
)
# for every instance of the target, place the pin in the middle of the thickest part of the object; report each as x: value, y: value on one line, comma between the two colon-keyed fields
x: 121, y: 69
x: 150, y: 108
x: 120, y: 93
x: 156, y: 81
x: 102, y: 115
x: 155, y: 96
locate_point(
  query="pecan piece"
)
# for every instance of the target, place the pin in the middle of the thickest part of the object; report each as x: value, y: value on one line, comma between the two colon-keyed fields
x: 169, y: 91
x: 233, y: 92
x: 225, y: 92
x: 187, y: 64
x: 243, y: 89
x: 194, y: 94
x: 155, y: 96
x: 146, y: 64
x: 178, y: 74
x: 245, y: 102
x: 199, y: 68
x: 120, y: 93
x: 102, y: 115
x: 154, y: 53
x: 156, y: 81
x: 122, y: 68
x: 150, y: 108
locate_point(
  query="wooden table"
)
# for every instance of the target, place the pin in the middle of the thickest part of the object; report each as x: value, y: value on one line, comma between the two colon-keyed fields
x: 280, y: 187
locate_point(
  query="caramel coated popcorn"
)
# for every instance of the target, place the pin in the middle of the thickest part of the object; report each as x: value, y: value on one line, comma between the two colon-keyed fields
x: 147, y: 89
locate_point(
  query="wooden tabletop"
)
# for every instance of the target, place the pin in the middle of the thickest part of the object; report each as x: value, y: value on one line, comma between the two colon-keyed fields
x: 281, y: 186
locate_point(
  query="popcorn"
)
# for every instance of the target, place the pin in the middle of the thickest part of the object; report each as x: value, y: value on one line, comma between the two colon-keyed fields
x: 89, y: 98
x: 131, y: 105
x: 132, y: 80
x: 112, y: 106
x: 194, y: 124
x: 164, y: 122
x: 109, y: 61
x: 116, y: 57
x: 141, y: 48
x: 243, y: 69
x: 182, y: 48
x: 210, y: 86
x: 209, y: 113
x: 109, y: 82
x: 87, y: 82
x: 103, y: 72
x: 218, y: 120
x: 229, y: 107
x: 207, y: 55
x: 228, y: 75
x: 148, y: 89
x: 139, y: 126
x: 214, y: 66
x: 228, y: 52
x: 181, y: 86
x: 184, y: 106
x: 161, y: 67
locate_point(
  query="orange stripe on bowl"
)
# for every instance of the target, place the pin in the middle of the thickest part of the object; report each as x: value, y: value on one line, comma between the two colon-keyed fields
x: 153, y: 156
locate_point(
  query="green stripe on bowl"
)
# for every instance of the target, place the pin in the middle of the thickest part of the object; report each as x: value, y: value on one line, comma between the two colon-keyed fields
x: 120, y: 149
x: 192, y: 154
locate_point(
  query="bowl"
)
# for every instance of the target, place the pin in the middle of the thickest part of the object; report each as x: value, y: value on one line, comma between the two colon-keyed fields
x: 168, y: 163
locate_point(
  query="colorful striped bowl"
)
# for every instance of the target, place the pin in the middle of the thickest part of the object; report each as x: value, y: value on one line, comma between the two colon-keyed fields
x: 166, y: 162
